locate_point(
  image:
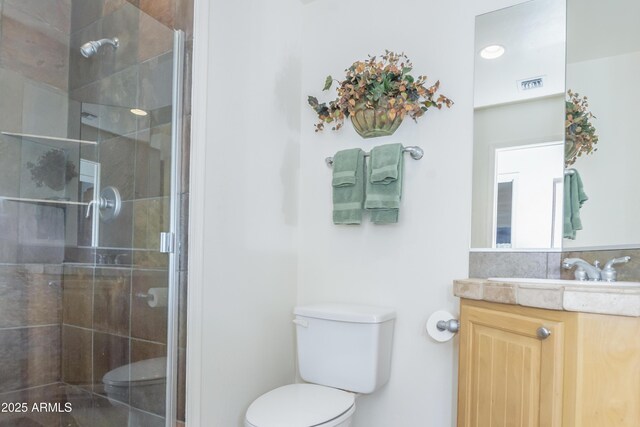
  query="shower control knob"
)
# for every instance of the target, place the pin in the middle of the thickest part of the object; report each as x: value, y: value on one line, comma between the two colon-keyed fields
x: 543, y: 333
x: 109, y: 204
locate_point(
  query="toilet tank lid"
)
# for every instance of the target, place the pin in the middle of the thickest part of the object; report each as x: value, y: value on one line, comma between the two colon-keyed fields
x: 353, y: 313
x: 299, y: 405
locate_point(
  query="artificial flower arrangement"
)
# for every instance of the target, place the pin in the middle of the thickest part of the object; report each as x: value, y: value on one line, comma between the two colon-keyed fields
x: 580, y: 134
x: 377, y: 94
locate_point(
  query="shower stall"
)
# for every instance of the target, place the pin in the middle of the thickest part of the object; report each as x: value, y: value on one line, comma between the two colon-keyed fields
x: 93, y: 158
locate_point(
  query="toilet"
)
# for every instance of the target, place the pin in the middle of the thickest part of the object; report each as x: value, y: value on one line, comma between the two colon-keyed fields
x: 143, y: 381
x: 343, y: 350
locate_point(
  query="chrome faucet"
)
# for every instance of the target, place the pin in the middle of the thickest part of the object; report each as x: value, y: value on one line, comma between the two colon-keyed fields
x: 584, y: 270
x: 608, y: 272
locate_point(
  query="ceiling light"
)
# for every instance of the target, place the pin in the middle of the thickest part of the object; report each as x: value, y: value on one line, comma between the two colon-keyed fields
x: 492, y: 52
x: 138, y: 112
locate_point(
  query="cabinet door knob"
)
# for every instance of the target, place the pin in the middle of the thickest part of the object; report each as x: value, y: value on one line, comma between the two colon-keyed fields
x: 543, y: 333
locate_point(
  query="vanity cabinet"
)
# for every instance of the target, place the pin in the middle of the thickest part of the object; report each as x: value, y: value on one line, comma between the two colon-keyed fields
x: 522, y: 366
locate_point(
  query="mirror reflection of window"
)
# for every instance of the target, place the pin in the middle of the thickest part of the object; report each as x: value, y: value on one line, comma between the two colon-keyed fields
x: 558, y: 209
x: 89, y: 187
x: 526, y: 192
x: 504, y: 214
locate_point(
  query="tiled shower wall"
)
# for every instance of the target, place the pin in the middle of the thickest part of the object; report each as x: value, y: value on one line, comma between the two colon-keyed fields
x: 105, y: 327
x: 48, y: 335
x: 34, y: 43
x: 29, y: 325
x: 543, y: 265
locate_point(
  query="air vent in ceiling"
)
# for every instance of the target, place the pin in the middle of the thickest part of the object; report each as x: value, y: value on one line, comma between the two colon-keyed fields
x: 533, y: 83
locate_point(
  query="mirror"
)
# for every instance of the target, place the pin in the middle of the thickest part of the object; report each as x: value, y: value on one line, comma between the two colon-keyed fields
x: 519, y: 103
x: 603, y: 63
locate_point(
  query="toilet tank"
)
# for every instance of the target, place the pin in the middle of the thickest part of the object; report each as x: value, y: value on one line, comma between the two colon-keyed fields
x: 345, y: 346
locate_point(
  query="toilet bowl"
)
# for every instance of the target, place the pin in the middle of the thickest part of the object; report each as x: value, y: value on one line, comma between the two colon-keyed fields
x: 143, y: 381
x: 297, y: 405
x: 342, y: 350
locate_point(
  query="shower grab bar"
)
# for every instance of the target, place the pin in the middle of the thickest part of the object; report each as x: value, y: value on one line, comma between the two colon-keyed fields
x: 416, y: 154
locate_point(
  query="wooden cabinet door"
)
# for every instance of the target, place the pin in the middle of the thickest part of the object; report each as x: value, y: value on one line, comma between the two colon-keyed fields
x: 508, y: 376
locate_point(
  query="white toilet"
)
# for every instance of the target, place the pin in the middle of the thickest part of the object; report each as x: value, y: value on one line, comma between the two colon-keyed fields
x: 144, y: 381
x: 342, y: 350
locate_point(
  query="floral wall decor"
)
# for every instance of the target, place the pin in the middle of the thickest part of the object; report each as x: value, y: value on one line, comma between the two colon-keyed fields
x: 580, y: 134
x: 377, y: 94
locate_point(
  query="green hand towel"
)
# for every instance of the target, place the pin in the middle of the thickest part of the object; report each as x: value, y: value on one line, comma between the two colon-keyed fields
x: 384, y: 163
x: 384, y: 184
x: 345, y: 164
x: 574, y: 198
x: 348, y: 186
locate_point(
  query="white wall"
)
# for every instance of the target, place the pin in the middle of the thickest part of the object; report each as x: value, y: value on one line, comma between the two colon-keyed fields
x: 411, y: 265
x: 250, y: 198
x: 611, y: 175
x: 258, y: 239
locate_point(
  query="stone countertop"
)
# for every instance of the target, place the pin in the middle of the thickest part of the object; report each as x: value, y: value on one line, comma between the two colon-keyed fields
x: 618, y: 298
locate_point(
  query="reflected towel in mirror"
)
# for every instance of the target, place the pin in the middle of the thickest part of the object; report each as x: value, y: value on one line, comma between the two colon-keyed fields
x: 574, y: 198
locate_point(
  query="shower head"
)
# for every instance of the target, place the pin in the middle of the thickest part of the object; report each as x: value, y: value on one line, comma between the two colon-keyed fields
x: 91, y: 48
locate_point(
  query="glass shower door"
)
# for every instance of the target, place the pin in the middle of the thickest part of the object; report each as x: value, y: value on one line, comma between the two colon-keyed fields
x: 132, y: 211
x: 89, y: 158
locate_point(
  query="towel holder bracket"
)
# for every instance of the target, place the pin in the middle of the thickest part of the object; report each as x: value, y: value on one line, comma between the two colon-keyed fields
x: 414, y: 151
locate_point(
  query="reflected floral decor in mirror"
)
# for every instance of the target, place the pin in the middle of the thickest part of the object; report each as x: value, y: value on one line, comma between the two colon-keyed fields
x: 377, y: 94
x: 580, y: 134
x: 53, y: 170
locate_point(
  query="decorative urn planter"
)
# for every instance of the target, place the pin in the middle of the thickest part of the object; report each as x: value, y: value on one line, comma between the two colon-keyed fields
x: 371, y: 123
x: 571, y: 150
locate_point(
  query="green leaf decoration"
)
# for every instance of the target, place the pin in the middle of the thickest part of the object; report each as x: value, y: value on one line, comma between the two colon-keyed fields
x: 327, y: 83
x: 377, y: 91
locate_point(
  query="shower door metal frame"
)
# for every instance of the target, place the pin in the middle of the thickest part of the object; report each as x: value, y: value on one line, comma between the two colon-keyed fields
x: 200, y: 135
x: 174, y: 229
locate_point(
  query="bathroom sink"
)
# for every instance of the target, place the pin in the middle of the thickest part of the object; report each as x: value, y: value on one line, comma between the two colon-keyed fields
x: 615, y: 298
x: 560, y: 282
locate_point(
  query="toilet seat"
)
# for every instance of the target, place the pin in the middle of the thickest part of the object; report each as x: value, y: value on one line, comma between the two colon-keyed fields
x: 144, y: 372
x: 301, y: 405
